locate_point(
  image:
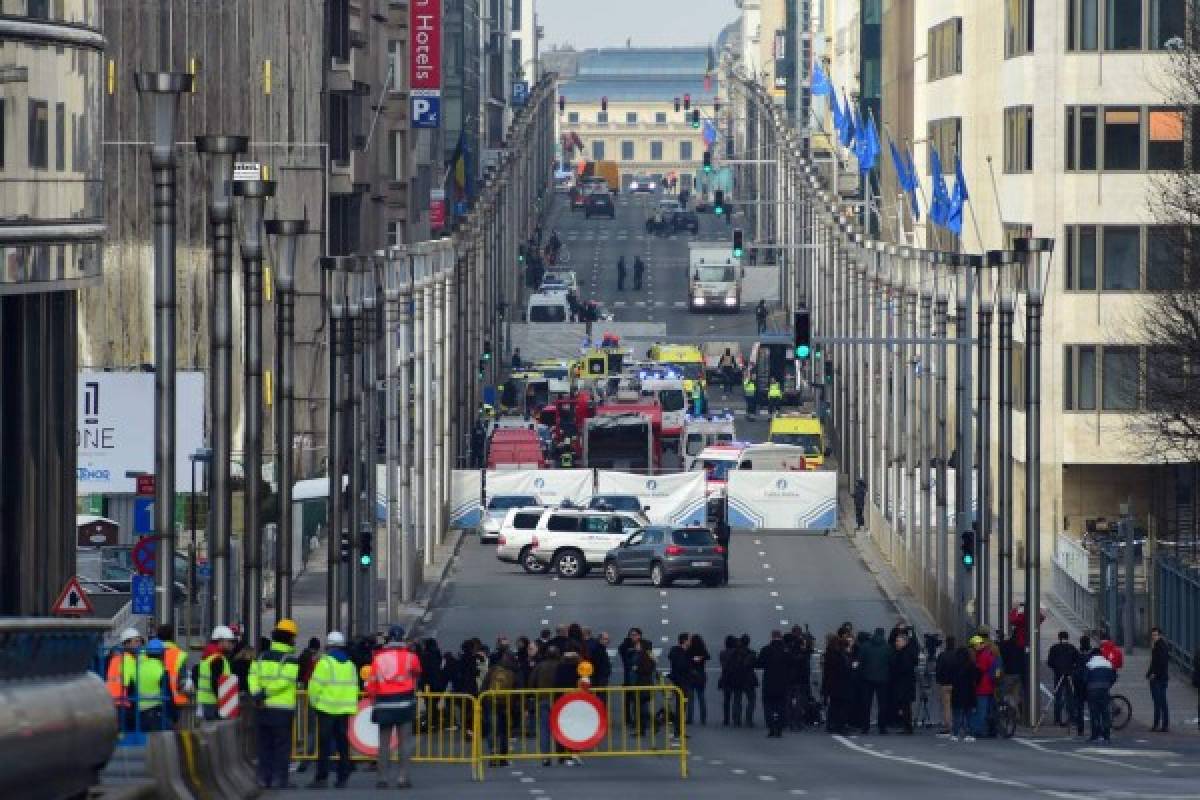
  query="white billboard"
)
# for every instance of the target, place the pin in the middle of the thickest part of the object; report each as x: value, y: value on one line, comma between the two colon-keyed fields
x: 115, y: 433
x: 676, y: 499
x: 791, y: 501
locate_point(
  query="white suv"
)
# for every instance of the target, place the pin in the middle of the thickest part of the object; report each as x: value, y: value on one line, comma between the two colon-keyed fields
x: 516, y: 538
x: 572, y: 542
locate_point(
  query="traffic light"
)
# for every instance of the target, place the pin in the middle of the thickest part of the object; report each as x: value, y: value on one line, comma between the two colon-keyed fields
x: 487, y: 351
x: 521, y: 254
x: 687, y: 102
x: 716, y: 105
x: 708, y: 161
x: 562, y: 104
x: 968, y: 549
x: 695, y: 118
x: 364, y: 549
x: 344, y: 547
x: 802, y: 333
x: 729, y: 148
x: 719, y: 202
x: 737, y: 243
x: 676, y: 105
x: 829, y: 372
x: 604, y: 104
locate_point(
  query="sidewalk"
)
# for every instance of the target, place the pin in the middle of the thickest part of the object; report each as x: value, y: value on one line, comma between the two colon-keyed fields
x: 1181, y: 697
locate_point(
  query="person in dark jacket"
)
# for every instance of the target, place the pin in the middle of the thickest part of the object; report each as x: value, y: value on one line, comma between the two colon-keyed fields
x: 639, y: 269
x: 1100, y: 678
x: 745, y: 683
x: 860, y: 702
x: 835, y: 684
x: 1012, y: 682
x: 902, y: 685
x: 799, y: 678
x: 697, y: 703
x: 1061, y: 660
x: 774, y: 662
x: 963, y: 678
x: 943, y: 675
x: 680, y: 675
x: 726, y: 681
x: 1079, y: 679
x: 621, y: 274
x: 628, y: 653
x: 873, y: 661
x: 600, y: 659
x: 860, y: 503
x: 1157, y: 674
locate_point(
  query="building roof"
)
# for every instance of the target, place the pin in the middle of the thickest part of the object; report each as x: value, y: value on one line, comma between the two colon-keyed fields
x: 641, y: 75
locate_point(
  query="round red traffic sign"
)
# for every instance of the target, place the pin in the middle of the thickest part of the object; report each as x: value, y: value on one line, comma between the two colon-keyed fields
x: 364, y: 734
x: 578, y: 721
x: 144, y: 555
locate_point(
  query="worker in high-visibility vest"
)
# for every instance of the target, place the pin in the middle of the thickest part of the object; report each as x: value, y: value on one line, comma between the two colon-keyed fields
x: 148, y: 686
x: 272, y: 683
x: 175, y: 660
x: 774, y: 395
x: 750, y: 392
x: 392, y: 685
x: 120, y: 663
x: 213, y: 665
x: 333, y: 694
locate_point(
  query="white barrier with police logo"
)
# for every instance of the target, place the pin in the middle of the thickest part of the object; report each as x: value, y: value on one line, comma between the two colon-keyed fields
x: 676, y: 499
x: 793, y: 501
x: 466, y: 491
x: 551, y: 486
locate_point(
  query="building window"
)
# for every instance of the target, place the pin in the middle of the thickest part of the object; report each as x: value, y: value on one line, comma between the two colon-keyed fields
x: 1122, y: 258
x: 685, y: 151
x: 397, y: 163
x: 660, y: 118
x: 38, y: 9
x: 1167, y: 381
x: 945, y: 49
x: 1127, y: 258
x: 1081, y: 257
x: 1079, y: 373
x: 1018, y: 27
x: 1122, y: 138
x: 656, y: 151
x: 1126, y: 24
x: 3, y: 129
x: 1122, y: 24
x: 1018, y: 139
x: 516, y: 15
x: 631, y: 118
x: 39, y: 134
x: 573, y: 117
x: 945, y: 135
x: 395, y: 229
x: 1119, y: 370
x: 1167, y: 255
x: 395, y: 64
x: 1083, y: 24
x: 60, y: 136
x: 597, y: 150
x: 518, y: 62
x: 1167, y: 25
x: 627, y: 150
x: 1133, y: 138
x: 602, y: 117
x: 1164, y: 144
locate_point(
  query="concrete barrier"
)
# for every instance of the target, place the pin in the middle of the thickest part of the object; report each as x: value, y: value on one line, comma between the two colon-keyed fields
x: 229, y: 754
x: 214, y: 774
x: 165, y: 766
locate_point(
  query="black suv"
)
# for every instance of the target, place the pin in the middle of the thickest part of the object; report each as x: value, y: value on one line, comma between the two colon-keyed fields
x: 599, y: 204
x: 665, y: 555
x: 685, y: 221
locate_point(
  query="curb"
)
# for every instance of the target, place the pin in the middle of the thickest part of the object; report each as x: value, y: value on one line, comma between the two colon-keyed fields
x: 433, y: 592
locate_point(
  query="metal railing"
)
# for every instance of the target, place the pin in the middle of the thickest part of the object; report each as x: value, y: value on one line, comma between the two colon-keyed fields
x: 1081, y: 600
x: 1177, y: 608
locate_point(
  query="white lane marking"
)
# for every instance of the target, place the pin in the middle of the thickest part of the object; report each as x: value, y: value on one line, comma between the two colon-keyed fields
x: 798, y: 792
x: 545, y: 622
x: 716, y: 762
x: 779, y: 608
x: 919, y: 763
x: 770, y: 579
x: 549, y: 608
x: 774, y: 594
x: 664, y: 608
x: 758, y: 541
x: 766, y: 777
x: 766, y: 566
x: 665, y: 622
x: 1084, y: 757
x: 662, y: 592
x: 784, y: 622
x: 1127, y: 753
x: 528, y: 779
x: 665, y: 639
x: 554, y: 594
x: 761, y: 553
x: 738, y: 771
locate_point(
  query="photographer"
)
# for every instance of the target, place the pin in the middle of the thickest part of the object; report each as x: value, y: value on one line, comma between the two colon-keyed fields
x: 1061, y: 659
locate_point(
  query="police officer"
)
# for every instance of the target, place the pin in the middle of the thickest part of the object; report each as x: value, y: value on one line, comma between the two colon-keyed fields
x: 272, y: 683
x: 212, y: 667
x: 149, y: 686
x: 774, y: 395
x: 333, y: 694
x: 750, y: 391
x: 392, y: 684
x: 697, y: 399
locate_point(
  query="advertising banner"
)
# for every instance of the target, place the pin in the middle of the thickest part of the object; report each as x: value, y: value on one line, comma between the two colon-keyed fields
x: 466, y: 488
x: 425, y: 62
x: 551, y: 486
x: 784, y: 501
x: 676, y: 499
x: 115, y: 433
x: 437, y: 208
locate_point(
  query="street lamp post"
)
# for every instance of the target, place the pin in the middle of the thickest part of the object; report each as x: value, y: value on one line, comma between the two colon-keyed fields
x: 352, y: 441
x: 396, y: 292
x: 202, y: 455
x: 335, y: 295
x: 254, y: 194
x: 286, y: 233
x: 164, y: 88
x: 1005, y: 260
x: 221, y: 151
x: 983, y: 563
x: 370, y: 436
x: 965, y: 488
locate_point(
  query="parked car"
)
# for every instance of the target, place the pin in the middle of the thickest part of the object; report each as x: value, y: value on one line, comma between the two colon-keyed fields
x: 572, y: 542
x: 497, y: 509
x: 515, y: 541
x: 599, y: 205
x: 643, y: 183
x: 629, y: 503
x: 665, y: 555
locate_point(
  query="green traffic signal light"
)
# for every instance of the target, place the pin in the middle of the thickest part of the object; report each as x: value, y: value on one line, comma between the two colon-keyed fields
x: 364, y: 560
x: 718, y: 210
x: 803, y: 351
x: 737, y: 252
x: 968, y: 560
x: 708, y: 167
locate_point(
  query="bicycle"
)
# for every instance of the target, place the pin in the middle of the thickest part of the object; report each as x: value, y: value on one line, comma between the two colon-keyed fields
x: 1002, y: 718
x: 1120, y: 711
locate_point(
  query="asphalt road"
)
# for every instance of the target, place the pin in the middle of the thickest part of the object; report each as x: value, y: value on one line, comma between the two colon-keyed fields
x: 776, y: 581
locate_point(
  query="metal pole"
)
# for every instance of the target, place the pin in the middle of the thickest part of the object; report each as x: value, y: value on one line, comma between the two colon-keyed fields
x: 286, y: 232
x: 221, y: 151
x: 965, y: 468
x: 1004, y: 510
x: 164, y: 88
x: 912, y: 522
x: 926, y: 400
x: 1126, y: 527
x: 370, y: 438
x: 420, y: 389
x: 944, y: 574
x: 438, y: 411
x: 983, y: 564
x: 405, y: 390
x: 254, y: 194
x: 353, y: 440
x: 334, y: 285
x: 427, y: 401
x: 395, y: 522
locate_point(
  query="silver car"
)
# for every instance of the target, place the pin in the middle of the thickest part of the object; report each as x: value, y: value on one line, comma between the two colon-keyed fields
x: 493, y: 513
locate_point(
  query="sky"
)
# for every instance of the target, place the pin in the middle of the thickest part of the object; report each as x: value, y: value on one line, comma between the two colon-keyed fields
x: 608, y: 23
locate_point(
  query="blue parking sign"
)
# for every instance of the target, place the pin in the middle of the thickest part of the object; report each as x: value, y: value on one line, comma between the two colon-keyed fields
x: 143, y: 515
x: 142, y: 594
x: 426, y: 110
x: 520, y: 92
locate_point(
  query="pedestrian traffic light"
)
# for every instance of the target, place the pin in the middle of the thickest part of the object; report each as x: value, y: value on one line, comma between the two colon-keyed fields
x: 829, y: 372
x: 695, y: 118
x: 365, y: 552
x: 487, y: 351
x: 737, y: 243
x: 708, y: 161
x: 677, y: 105
x: 968, y: 549
x: 687, y: 102
x: 344, y: 547
x: 604, y: 104
x: 719, y: 202
x: 802, y: 333
x: 562, y: 104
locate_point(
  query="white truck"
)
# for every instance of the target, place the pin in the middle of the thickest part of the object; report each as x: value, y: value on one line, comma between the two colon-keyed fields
x: 714, y: 277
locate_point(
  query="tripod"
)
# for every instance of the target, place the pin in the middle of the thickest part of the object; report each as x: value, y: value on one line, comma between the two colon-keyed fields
x: 924, y: 715
x: 1070, y: 705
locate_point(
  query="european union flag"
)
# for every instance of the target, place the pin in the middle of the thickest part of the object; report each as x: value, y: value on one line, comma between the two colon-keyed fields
x: 847, y: 133
x: 954, y: 214
x: 939, y: 208
x: 820, y: 82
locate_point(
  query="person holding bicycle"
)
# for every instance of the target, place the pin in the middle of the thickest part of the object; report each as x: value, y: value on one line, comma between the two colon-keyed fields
x: 1061, y: 660
x: 1100, y: 679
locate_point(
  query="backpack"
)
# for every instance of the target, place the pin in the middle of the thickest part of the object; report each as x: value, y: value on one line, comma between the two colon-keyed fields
x: 1113, y: 654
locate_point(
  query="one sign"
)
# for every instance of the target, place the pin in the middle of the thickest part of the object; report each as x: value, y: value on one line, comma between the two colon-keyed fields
x: 227, y: 697
x: 145, y: 485
x: 204, y: 571
x: 364, y: 734
x: 143, y: 515
x: 520, y: 94
x: 437, y: 208
x: 141, y: 590
x: 72, y: 601
x: 796, y: 501
x: 247, y: 171
x: 578, y: 721
x: 550, y: 486
x: 425, y: 47
x: 114, y: 434
x: 426, y: 110
x: 144, y: 555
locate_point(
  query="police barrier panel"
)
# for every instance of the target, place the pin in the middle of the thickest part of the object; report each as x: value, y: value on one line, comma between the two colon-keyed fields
x: 551, y: 486
x: 674, y: 499
x: 787, y: 501
x: 466, y: 490
x: 619, y: 721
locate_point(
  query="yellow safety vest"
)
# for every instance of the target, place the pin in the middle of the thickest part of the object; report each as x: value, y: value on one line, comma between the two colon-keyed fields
x: 333, y: 687
x: 748, y: 388
x: 774, y: 392
x: 273, y: 675
x: 206, y: 691
x: 146, y: 675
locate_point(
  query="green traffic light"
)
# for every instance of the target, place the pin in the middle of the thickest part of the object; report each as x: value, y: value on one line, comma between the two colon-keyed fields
x: 719, y: 210
x: 968, y: 560
x: 487, y: 356
x: 364, y: 560
x: 737, y: 252
x: 708, y: 167
x: 802, y: 351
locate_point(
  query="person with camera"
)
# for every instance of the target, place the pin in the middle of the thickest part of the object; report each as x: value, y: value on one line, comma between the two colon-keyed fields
x: 1061, y: 660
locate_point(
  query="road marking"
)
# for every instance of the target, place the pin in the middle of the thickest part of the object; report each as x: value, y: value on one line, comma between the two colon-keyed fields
x: 549, y: 608
x: 666, y: 622
x: 798, y: 792
x: 770, y: 579
x: 766, y: 566
x: 784, y: 622
x: 774, y: 594
x: 665, y: 639
x: 766, y: 777
x: 779, y: 608
x: 664, y: 608
x: 761, y: 553
x: 758, y: 541
x: 929, y: 765
x: 554, y: 594
x: 1125, y: 752
x: 662, y: 592
x: 1084, y: 757
x: 527, y: 779
x: 716, y: 763
x: 738, y: 771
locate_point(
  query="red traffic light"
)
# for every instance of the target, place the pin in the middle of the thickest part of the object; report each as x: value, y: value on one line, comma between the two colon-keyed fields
x: 687, y: 101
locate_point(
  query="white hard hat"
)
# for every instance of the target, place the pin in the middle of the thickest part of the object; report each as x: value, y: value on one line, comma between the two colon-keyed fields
x: 335, y: 639
x: 223, y: 632
x: 130, y: 633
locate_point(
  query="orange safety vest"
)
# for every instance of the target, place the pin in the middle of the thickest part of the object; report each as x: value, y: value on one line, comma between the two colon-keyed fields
x: 173, y: 658
x: 114, y: 678
x: 394, y: 670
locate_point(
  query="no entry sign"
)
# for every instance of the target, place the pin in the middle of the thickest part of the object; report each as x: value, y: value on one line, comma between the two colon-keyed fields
x: 578, y: 721
x: 364, y: 734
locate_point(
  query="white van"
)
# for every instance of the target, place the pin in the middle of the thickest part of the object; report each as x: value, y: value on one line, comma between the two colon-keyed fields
x: 548, y: 307
x: 772, y: 458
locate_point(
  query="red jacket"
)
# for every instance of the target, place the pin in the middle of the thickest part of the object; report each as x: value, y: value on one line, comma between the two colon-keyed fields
x: 984, y: 660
